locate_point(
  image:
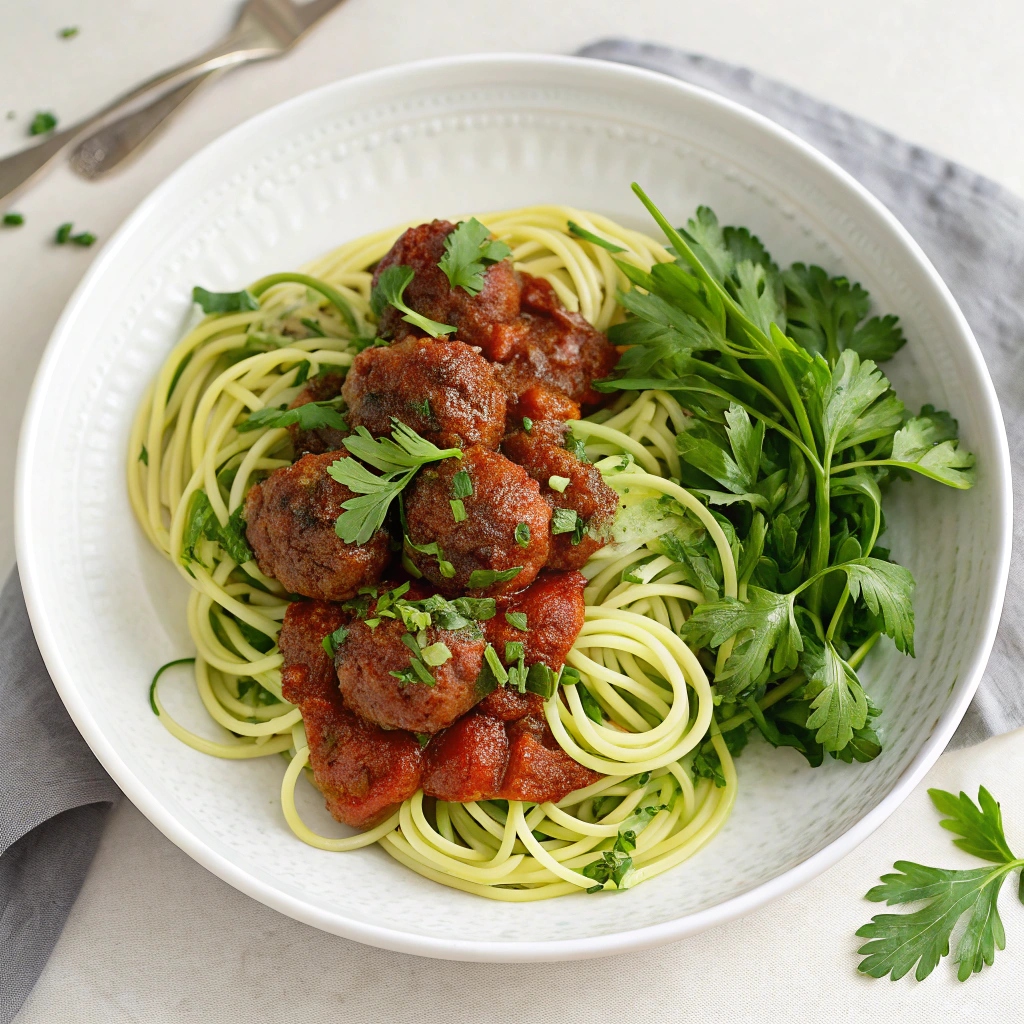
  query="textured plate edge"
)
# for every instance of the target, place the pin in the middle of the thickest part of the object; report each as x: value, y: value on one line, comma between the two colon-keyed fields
x: 509, y: 952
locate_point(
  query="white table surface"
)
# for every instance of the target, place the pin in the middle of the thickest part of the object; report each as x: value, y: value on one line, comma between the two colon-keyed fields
x: 156, y: 938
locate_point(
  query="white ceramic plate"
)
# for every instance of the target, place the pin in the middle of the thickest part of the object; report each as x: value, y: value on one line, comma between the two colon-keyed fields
x: 435, y: 139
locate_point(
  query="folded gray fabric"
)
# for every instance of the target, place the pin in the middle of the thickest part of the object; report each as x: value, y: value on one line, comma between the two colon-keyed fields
x: 972, y: 230
x: 54, y: 797
x: 53, y: 794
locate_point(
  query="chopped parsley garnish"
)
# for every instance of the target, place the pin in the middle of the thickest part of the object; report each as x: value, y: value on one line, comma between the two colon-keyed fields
x: 458, y: 510
x: 468, y: 251
x: 202, y: 522
x: 83, y: 238
x: 564, y: 520
x: 517, y: 620
x: 313, y: 326
x: 68, y: 33
x: 13, y: 220
x: 42, y: 123
x: 389, y: 290
x: 589, y: 236
x: 310, y: 416
x: 495, y: 665
x: 397, y: 458
x: 527, y: 424
x: 333, y: 641
x: 480, y: 578
x: 577, y: 446
x: 423, y: 738
x: 590, y: 706
x: 558, y: 483
x: 144, y: 456
x: 523, y: 535
x: 462, y: 485
x: 63, y: 233
x: 514, y: 650
x: 445, y: 568
x: 224, y: 302
x: 899, y: 942
x: 422, y: 408
x: 303, y: 373
x: 436, y: 654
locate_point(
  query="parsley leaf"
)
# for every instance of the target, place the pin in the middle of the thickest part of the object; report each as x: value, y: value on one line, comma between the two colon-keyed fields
x: 13, y: 220
x: 564, y: 520
x: 899, y: 942
x: 333, y: 641
x: 517, y: 620
x: 928, y: 444
x: 523, y: 535
x: 43, y: 122
x: 202, y: 522
x: 480, y: 578
x: 310, y: 416
x: 458, y: 510
x: 389, y: 290
x: 468, y: 251
x: 224, y: 302
x: 68, y: 33
x: 462, y: 485
x: 887, y: 589
x: 397, y: 458
x: 839, y: 706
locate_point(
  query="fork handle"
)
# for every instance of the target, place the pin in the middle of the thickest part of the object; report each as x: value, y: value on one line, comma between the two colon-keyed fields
x: 245, y: 43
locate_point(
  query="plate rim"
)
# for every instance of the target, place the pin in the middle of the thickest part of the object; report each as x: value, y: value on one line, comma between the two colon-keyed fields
x: 454, y: 948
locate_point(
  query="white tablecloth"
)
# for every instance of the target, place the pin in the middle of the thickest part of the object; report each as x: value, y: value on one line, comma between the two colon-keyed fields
x: 156, y: 938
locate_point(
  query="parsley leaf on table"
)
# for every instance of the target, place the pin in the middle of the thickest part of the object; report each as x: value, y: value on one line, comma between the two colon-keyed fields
x: 397, y: 458
x: 899, y: 942
x: 468, y: 251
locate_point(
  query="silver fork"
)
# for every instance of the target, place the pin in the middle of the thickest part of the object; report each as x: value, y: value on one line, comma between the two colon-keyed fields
x: 265, y: 28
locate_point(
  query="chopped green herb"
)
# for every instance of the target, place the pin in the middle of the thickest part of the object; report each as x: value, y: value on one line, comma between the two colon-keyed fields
x: 523, y: 535
x: 334, y: 640
x: 436, y: 654
x: 389, y: 290
x: 445, y: 568
x: 563, y: 520
x: 514, y: 650
x: 541, y: 680
x: 612, y: 866
x: 42, y: 123
x: 558, y: 483
x: 468, y: 251
x: 63, y: 233
x: 423, y: 408
x: 495, y: 665
x: 458, y: 510
x: 590, y: 706
x: 577, y: 446
x: 303, y: 373
x: 922, y: 938
x: 83, y: 238
x: 313, y: 326
x: 68, y: 33
x: 310, y: 416
x: 527, y: 424
x: 223, y: 302
x: 589, y: 236
x: 517, y: 620
x: 202, y: 521
x: 13, y: 220
x: 397, y: 458
x: 480, y: 578
x: 144, y: 456
x: 423, y: 738
x: 631, y: 575
x: 462, y: 485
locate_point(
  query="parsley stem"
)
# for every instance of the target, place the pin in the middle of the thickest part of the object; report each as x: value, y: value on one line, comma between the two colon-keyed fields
x: 773, y: 696
x: 862, y: 652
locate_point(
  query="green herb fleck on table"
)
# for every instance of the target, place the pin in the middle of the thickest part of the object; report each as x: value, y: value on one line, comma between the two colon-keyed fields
x: 13, y: 220
x: 63, y: 235
x: 922, y: 937
x: 42, y: 123
x: 68, y: 33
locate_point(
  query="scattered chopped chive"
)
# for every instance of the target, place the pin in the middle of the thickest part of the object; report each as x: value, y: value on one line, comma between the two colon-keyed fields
x: 63, y: 233
x: 462, y: 486
x: 527, y: 424
x: 558, y: 483
x: 436, y: 654
x: 144, y: 456
x: 13, y: 220
x: 458, y: 510
x: 42, y: 123
x: 517, y: 620
x: 523, y: 535
x: 68, y: 33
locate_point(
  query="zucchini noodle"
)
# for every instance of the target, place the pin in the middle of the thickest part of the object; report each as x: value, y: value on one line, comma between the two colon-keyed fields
x: 642, y: 705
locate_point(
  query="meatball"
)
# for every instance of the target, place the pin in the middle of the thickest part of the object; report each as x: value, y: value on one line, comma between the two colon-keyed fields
x: 466, y: 762
x: 444, y: 390
x: 586, y: 494
x: 506, y: 525
x: 554, y: 610
x: 290, y: 520
x: 538, y: 403
x: 538, y: 769
x: 375, y: 675
x: 321, y: 439
x: 363, y: 771
x: 430, y: 293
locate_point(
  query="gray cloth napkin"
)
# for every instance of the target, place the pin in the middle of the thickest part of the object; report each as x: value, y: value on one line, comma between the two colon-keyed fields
x: 54, y: 798
x: 972, y: 230
x: 53, y: 794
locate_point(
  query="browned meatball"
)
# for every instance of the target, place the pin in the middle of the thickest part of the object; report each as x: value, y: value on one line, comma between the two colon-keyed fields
x: 290, y: 520
x: 586, y: 494
x: 323, y: 439
x: 537, y: 403
x: 368, y: 657
x: 555, y: 347
x: 505, y: 527
x: 430, y: 293
x: 444, y: 390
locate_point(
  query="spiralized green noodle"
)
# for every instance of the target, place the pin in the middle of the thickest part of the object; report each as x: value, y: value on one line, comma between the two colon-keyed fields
x: 653, y: 694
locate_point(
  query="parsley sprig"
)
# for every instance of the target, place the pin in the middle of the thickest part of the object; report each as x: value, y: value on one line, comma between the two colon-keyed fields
x: 388, y: 291
x: 794, y: 433
x: 397, y: 458
x: 310, y: 416
x: 468, y: 251
x: 922, y: 937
